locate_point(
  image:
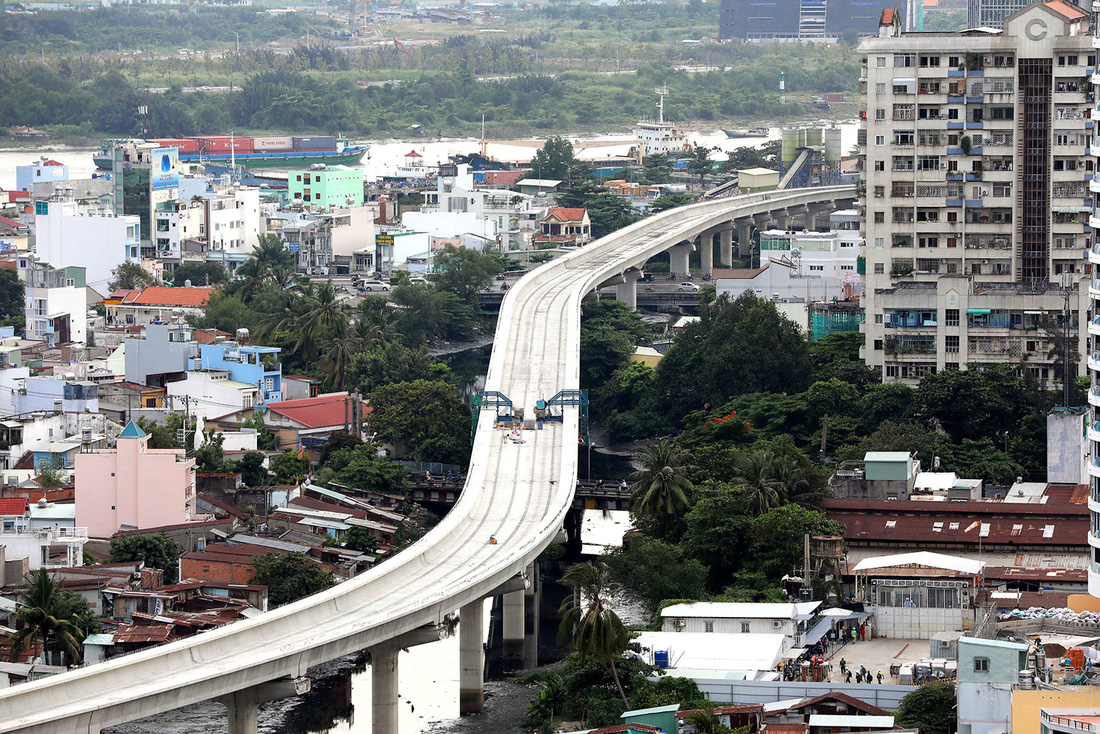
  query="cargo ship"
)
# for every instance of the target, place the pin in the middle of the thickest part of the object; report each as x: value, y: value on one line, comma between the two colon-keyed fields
x: 273, y: 151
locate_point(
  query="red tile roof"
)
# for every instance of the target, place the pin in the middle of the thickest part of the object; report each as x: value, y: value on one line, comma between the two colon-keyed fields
x: 566, y: 214
x: 887, y: 16
x: 52, y: 162
x: 323, y: 411
x: 10, y: 506
x: 11, y: 223
x: 1067, y: 10
x: 158, y: 295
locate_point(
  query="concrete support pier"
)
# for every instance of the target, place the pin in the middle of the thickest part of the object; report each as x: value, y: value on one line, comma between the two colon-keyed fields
x: 513, y: 629
x: 383, y: 679
x: 781, y: 218
x: 725, y: 247
x: 243, y: 707
x: 678, y: 259
x: 627, y: 291
x: 383, y: 675
x: 471, y: 658
x: 531, y: 619
x: 744, y: 236
x: 706, y: 251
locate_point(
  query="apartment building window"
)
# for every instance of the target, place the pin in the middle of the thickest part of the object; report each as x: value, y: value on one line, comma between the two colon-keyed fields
x: 708, y: 626
x: 879, y: 243
x: 880, y: 62
x: 951, y: 344
x: 880, y: 115
x: 905, y: 61
x: 953, y: 61
x: 927, y: 61
x: 880, y: 165
x: 880, y: 88
x: 880, y: 268
x: 891, y: 370
x: 981, y: 665
x: 745, y: 628
x: 880, y: 191
x: 880, y: 140
x: 880, y: 217
x: 878, y: 318
x: 952, y: 114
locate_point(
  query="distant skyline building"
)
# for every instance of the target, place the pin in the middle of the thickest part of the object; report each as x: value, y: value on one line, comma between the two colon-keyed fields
x: 991, y: 13
x: 792, y: 20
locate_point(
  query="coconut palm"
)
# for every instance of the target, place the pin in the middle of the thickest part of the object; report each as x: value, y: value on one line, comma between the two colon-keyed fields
x: 791, y: 482
x: 755, y: 473
x: 660, y: 487
x: 320, y: 318
x: 46, y: 617
x: 596, y: 630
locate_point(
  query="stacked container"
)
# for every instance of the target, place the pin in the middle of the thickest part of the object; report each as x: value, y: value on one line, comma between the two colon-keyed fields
x: 315, y: 142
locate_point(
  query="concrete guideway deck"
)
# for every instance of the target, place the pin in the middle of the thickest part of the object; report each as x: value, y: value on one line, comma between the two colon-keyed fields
x: 519, y: 493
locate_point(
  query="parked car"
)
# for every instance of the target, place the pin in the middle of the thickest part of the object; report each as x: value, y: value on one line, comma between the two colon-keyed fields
x: 373, y: 285
x: 687, y: 287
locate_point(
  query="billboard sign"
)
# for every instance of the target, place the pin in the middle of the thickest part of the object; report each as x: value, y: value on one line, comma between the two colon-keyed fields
x: 383, y: 240
x: 164, y: 173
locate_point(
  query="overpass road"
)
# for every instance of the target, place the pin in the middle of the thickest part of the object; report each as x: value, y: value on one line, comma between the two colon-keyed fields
x: 519, y: 493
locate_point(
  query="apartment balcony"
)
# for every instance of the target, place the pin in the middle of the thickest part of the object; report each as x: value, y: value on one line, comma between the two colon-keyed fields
x: 1094, y: 324
x: 1094, y: 468
x: 1094, y: 432
x: 1094, y: 400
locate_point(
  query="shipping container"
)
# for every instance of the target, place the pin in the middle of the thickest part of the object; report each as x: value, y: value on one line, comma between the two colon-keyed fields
x: 225, y: 143
x: 269, y: 143
x: 315, y: 142
x: 185, y: 145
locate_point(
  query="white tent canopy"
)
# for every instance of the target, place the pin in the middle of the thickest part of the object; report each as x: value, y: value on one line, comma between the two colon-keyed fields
x: 921, y: 558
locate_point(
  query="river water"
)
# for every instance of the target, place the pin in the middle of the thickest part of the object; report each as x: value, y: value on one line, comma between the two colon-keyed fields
x: 385, y: 156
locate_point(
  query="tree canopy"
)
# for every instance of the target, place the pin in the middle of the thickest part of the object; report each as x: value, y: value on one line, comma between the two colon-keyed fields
x: 289, y: 576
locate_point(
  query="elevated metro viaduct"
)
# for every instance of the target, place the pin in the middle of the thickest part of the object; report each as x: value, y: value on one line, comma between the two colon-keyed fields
x: 517, y: 493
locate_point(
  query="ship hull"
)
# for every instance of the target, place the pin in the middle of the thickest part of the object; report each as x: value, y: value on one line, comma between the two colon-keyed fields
x: 289, y: 159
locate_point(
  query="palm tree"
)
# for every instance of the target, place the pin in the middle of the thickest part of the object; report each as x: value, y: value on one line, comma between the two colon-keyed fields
x: 755, y: 473
x: 705, y: 721
x: 791, y: 482
x: 45, y: 616
x: 596, y: 629
x: 320, y: 317
x: 661, y: 485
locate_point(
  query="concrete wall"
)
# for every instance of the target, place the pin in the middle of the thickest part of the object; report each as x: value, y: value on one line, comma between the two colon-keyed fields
x: 216, y: 570
x: 733, y: 626
x: 155, y: 354
x: 909, y: 623
x: 1067, y: 447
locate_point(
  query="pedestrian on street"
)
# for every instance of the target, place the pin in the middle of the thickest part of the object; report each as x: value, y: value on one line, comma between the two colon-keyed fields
x: 879, y: 676
x: 855, y: 634
x: 848, y: 677
x: 862, y: 631
x: 843, y: 664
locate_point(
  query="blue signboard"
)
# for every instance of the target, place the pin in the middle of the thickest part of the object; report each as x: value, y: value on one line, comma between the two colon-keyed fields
x: 293, y: 247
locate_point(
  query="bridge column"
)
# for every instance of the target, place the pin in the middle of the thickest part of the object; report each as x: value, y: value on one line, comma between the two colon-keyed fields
x: 678, y: 259
x: 781, y: 218
x: 627, y: 291
x: 243, y: 707
x: 725, y: 247
x: 801, y: 213
x: 471, y: 658
x: 514, y: 622
x: 744, y: 236
x: 383, y: 674
x: 706, y: 251
x: 531, y: 619
x: 383, y: 678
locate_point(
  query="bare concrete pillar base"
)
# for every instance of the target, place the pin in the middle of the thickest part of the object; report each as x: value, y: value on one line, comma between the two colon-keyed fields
x: 243, y: 707
x: 513, y: 629
x: 383, y: 678
x: 471, y: 658
x: 678, y: 259
x: 725, y: 247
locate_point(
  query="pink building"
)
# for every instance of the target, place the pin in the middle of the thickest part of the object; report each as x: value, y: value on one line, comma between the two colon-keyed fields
x: 133, y: 486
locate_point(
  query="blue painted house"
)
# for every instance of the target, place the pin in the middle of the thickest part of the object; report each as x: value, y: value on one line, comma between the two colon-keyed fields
x: 253, y: 365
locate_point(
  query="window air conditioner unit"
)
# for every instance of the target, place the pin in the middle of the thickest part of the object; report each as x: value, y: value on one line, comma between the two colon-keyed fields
x: 776, y: 624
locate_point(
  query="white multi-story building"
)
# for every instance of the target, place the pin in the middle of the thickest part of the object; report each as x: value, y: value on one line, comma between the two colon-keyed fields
x: 232, y: 225
x: 213, y: 393
x: 975, y: 193
x: 92, y: 237
x: 175, y: 223
x: 56, y: 306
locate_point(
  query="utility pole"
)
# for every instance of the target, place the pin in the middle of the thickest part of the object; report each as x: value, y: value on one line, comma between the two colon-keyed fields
x: 824, y: 437
x: 1067, y: 292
